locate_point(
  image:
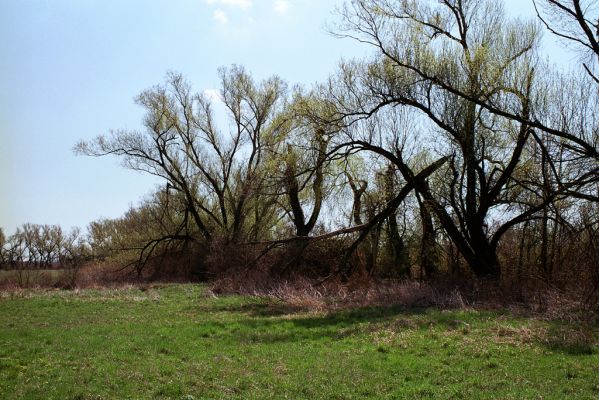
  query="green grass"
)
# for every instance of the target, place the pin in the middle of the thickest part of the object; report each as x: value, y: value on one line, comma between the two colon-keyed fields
x: 173, y: 342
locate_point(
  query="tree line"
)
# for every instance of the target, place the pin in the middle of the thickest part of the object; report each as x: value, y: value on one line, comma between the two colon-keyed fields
x: 455, y: 148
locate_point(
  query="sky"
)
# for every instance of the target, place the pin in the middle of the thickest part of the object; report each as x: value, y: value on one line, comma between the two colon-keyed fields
x: 69, y: 70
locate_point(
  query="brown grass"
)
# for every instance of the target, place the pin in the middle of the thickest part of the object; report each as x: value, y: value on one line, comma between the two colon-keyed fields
x: 311, y: 294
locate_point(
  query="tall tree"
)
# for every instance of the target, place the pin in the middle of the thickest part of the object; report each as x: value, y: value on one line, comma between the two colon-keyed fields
x: 219, y: 175
x: 576, y: 22
x: 470, y: 74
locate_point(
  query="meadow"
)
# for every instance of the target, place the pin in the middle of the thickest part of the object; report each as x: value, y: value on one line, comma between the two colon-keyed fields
x: 183, y: 342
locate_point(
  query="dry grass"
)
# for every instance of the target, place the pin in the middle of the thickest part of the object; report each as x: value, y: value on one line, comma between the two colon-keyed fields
x: 303, y: 293
x: 307, y: 294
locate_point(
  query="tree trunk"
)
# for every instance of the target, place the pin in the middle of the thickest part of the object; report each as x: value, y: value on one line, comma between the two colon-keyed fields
x: 398, y: 248
x: 428, y: 243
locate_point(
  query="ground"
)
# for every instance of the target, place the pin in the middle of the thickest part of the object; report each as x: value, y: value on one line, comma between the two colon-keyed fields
x: 180, y: 342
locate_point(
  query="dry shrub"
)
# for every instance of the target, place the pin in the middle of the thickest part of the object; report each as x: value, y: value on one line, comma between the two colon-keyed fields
x: 176, y: 266
x: 104, y: 274
x: 321, y: 258
x: 316, y: 295
x: 34, y: 278
x: 570, y: 267
x: 360, y: 291
x: 223, y: 258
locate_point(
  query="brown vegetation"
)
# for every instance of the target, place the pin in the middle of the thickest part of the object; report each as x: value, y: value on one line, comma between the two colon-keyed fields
x: 447, y: 169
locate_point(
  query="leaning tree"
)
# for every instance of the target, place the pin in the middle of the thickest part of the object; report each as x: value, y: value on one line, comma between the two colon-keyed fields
x: 473, y: 79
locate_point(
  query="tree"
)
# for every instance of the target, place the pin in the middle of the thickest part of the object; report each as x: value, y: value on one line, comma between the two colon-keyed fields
x: 305, y: 162
x: 471, y: 75
x: 157, y: 226
x: 218, y: 176
x: 576, y: 22
x: 388, y: 25
x: 2, y: 250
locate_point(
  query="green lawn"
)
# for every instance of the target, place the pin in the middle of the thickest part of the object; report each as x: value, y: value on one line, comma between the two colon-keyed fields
x: 175, y: 342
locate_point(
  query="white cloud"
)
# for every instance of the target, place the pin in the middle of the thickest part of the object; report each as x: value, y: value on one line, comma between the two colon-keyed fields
x: 213, y: 94
x: 243, y: 4
x: 282, y: 6
x: 220, y: 16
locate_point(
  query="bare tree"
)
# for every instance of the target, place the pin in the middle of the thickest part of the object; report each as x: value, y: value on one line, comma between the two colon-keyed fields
x: 218, y: 175
x: 2, y: 249
x: 471, y: 75
x: 576, y: 22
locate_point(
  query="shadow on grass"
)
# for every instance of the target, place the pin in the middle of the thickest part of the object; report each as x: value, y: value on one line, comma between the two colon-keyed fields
x: 333, y: 325
x: 260, y: 322
x: 577, y: 340
x: 257, y: 308
x: 267, y: 321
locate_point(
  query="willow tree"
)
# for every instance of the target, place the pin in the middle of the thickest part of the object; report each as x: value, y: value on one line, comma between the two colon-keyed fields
x: 470, y: 76
x: 217, y: 175
x: 576, y: 23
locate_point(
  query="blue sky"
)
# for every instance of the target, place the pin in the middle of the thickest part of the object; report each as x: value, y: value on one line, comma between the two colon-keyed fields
x: 69, y: 70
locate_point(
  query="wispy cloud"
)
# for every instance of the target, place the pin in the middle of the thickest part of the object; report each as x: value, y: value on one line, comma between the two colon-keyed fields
x: 220, y: 16
x: 213, y: 94
x: 243, y: 4
x: 282, y: 6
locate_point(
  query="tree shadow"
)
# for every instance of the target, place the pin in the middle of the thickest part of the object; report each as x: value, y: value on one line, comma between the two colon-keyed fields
x: 270, y: 321
x: 258, y: 309
x: 298, y: 326
x: 578, y: 340
x: 279, y: 322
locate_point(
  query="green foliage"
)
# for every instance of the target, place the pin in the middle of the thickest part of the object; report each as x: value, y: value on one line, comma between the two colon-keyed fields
x: 175, y: 342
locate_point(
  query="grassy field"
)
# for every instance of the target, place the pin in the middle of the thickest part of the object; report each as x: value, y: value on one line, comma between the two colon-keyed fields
x: 175, y: 342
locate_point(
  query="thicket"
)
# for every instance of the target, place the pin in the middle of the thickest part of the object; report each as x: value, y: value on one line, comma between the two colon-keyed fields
x: 454, y: 153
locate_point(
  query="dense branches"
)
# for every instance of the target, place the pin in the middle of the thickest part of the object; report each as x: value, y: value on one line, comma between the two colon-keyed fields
x: 470, y: 74
x: 576, y: 22
x: 217, y: 175
x: 453, y: 141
